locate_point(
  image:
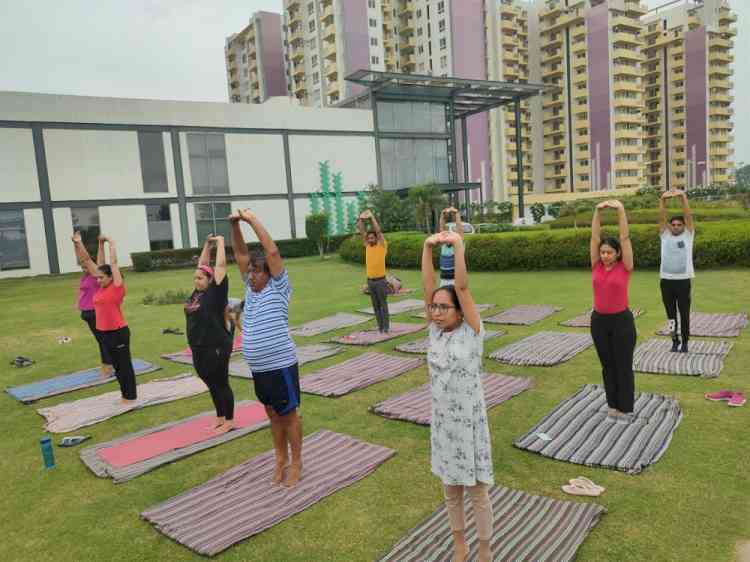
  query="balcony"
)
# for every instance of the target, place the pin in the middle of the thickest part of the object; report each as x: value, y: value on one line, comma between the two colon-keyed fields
x: 626, y: 70
x: 509, y: 10
x: 327, y: 13
x: 578, y: 46
x: 628, y: 54
x: 552, y: 41
x: 719, y: 70
x: 408, y: 45
x: 636, y: 8
x: 627, y: 149
x: 298, y: 53
x: 628, y: 165
x: 551, y: 72
x: 727, y: 17
x: 727, y: 111
x: 332, y: 70
x: 627, y: 23
x: 300, y: 89
x: 408, y: 8
x: 551, y: 131
x: 622, y: 37
x: 299, y: 71
x: 408, y: 60
x: 297, y: 36
x: 628, y: 118
x: 719, y: 83
x: 551, y: 145
x: 721, y: 97
x: 625, y: 86
x: 508, y: 24
x: 720, y: 57
x: 551, y: 9
x: 407, y: 27
x: 553, y: 101
x: 561, y: 22
x: 717, y: 41
x: 554, y: 56
x: 581, y: 139
x: 628, y: 102
x: 553, y: 117
x: 720, y: 151
x: 555, y: 160
x: 329, y: 51
x: 329, y: 33
x: 333, y: 88
x: 628, y: 133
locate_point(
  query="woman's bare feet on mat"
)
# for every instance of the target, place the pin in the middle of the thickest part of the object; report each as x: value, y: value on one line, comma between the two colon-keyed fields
x: 106, y: 371
x: 460, y: 553
x: 278, y: 472
x: 224, y: 427
x: 485, y: 552
x: 293, y: 475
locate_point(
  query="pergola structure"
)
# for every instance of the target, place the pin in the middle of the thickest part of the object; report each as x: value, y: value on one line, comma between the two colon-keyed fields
x: 462, y: 98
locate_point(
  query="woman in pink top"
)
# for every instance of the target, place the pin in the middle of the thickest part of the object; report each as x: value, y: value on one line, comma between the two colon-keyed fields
x: 612, y: 324
x: 87, y: 287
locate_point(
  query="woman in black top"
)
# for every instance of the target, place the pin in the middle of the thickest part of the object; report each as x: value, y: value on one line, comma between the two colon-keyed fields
x: 208, y: 334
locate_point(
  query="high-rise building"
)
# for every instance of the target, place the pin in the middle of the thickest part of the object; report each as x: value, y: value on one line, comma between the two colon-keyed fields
x: 255, y: 60
x: 688, y: 92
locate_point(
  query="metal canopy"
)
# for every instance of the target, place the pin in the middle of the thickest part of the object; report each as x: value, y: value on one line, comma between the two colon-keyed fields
x: 468, y: 96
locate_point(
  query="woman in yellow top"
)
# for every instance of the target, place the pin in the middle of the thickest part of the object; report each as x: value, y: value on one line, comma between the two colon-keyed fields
x: 376, y: 248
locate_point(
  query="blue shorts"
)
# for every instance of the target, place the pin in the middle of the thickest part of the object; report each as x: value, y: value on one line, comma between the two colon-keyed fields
x: 278, y: 389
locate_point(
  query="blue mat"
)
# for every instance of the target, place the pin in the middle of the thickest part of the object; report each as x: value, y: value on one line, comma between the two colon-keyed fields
x: 65, y: 383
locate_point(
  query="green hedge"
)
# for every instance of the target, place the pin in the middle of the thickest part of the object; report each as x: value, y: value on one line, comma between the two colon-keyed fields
x: 718, y: 244
x: 188, y: 257
x: 651, y: 216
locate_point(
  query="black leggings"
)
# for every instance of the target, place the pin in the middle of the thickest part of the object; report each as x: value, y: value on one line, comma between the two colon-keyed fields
x: 675, y: 293
x: 117, y: 344
x: 379, y: 297
x: 614, y: 339
x: 89, y: 316
x: 212, y: 366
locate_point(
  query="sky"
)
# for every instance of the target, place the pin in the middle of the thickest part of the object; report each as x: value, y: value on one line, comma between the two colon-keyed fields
x: 174, y: 49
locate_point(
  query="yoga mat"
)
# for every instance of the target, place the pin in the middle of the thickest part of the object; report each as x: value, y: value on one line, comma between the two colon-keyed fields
x: 130, y: 456
x: 34, y: 391
x: 370, y: 337
x: 328, y: 324
x: 713, y: 325
x: 185, y: 357
x: 543, y: 349
x: 305, y: 354
x: 526, y: 528
x: 480, y: 308
x: 416, y: 405
x: 398, y: 307
x: 357, y: 373
x: 584, y: 320
x: 704, y: 358
x: 423, y: 345
x: 578, y: 430
x: 523, y: 314
x: 88, y: 411
x: 198, y: 519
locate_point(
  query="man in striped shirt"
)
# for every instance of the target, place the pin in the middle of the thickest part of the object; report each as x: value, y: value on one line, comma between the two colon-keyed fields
x: 266, y: 344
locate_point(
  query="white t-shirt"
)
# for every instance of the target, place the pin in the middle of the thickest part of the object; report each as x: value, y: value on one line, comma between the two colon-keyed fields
x: 677, y: 255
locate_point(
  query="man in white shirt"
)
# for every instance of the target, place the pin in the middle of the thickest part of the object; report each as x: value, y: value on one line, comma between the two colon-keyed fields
x: 676, y: 269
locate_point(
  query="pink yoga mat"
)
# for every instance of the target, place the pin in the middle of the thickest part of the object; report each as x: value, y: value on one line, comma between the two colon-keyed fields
x: 236, y: 346
x: 176, y: 437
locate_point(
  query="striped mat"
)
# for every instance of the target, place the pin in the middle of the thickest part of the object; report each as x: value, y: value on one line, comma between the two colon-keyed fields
x: 704, y: 358
x: 357, y: 373
x: 480, y: 308
x: 416, y: 405
x: 88, y: 411
x: 34, y: 391
x: 185, y: 357
x: 305, y: 354
x: 526, y: 528
x: 543, y: 349
x: 713, y: 325
x: 584, y: 320
x: 422, y: 345
x: 523, y: 314
x: 99, y: 458
x: 579, y: 431
x: 198, y: 519
x: 328, y: 324
x: 398, y: 307
x: 370, y: 337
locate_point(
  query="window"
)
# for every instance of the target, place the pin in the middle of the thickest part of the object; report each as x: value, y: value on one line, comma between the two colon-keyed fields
x: 441, y: 7
x: 419, y: 13
x: 244, y: 58
x: 375, y: 60
x: 211, y: 218
x: 373, y: 22
x: 311, y: 25
x: 14, y: 251
x: 316, y: 77
x: 443, y: 43
x: 374, y: 41
x: 419, y: 32
x: 153, y: 164
x: 407, y: 162
x: 441, y: 25
x: 420, y: 49
x: 314, y: 61
x: 159, y: 227
x: 310, y: 8
x: 208, y: 163
x: 86, y: 221
x: 371, y: 3
x: 443, y: 61
x: 416, y: 117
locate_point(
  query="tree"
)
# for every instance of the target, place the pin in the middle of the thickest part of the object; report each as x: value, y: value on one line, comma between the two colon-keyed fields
x: 537, y: 211
x: 389, y: 209
x: 316, y: 229
x: 426, y: 199
x: 742, y: 175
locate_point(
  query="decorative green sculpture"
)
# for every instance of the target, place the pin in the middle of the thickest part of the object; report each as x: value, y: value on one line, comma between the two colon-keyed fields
x: 329, y: 200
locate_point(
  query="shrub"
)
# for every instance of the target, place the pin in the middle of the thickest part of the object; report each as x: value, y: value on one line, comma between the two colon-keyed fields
x: 316, y: 228
x: 717, y: 245
x: 177, y: 296
x: 651, y: 216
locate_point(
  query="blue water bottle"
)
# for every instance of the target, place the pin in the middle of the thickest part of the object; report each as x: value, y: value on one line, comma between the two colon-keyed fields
x: 47, y: 453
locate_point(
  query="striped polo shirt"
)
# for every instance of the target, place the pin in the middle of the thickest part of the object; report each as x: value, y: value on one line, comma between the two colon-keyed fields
x: 266, y: 343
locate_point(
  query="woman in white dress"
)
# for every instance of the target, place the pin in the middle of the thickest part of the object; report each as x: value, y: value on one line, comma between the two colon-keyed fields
x: 460, y: 435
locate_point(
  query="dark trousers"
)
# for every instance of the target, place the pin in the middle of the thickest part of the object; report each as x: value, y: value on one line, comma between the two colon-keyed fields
x: 212, y: 366
x: 117, y: 344
x: 614, y: 339
x: 89, y: 316
x: 379, y: 295
x: 675, y: 294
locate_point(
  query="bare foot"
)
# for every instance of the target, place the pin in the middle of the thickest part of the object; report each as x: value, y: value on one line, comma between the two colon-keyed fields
x: 224, y: 427
x: 460, y: 552
x: 278, y: 473
x: 485, y: 552
x: 293, y: 476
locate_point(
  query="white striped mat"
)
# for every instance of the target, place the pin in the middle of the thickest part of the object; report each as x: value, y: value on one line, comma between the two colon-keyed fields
x: 543, y: 349
x: 704, y: 358
x: 305, y: 354
x: 371, y: 337
x: 416, y: 405
x: 480, y: 308
x: 713, y: 325
x: 526, y: 528
x: 357, y: 373
x: 328, y: 324
x: 523, y: 314
x: 584, y: 320
x: 243, y: 501
x: 578, y: 430
x: 422, y: 345
x: 398, y: 307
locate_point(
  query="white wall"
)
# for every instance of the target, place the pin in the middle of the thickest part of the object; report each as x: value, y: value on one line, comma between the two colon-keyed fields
x: 174, y: 215
x: 36, y: 246
x: 128, y: 227
x: 63, y: 231
x: 353, y: 156
x: 255, y: 164
x: 18, y: 176
x: 274, y: 214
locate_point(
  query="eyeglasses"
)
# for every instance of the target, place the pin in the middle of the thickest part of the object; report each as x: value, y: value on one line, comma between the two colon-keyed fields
x: 441, y: 308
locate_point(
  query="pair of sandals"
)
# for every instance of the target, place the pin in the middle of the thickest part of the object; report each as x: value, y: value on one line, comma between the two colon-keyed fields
x: 582, y: 486
x: 175, y: 331
x: 22, y: 361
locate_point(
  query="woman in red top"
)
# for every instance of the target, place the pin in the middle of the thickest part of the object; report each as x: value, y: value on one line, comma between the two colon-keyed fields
x: 109, y: 319
x: 612, y: 324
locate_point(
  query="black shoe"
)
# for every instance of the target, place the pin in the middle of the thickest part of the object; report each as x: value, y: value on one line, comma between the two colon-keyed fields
x: 684, y: 348
x: 675, y: 345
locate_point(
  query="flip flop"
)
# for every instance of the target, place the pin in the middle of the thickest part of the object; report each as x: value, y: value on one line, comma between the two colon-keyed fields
x: 64, y: 339
x: 576, y: 490
x: 584, y: 482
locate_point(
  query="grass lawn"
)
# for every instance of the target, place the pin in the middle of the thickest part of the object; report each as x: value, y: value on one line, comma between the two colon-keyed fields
x: 691, y: 506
